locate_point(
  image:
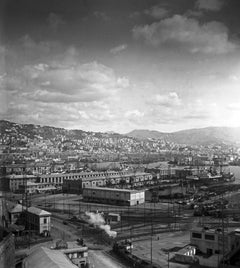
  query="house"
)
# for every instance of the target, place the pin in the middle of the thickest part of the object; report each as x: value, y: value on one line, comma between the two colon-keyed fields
x: 38, y: 220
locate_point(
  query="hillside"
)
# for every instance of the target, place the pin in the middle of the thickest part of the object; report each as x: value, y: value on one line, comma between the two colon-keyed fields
x: 201, y: 136
x: 20, y: 134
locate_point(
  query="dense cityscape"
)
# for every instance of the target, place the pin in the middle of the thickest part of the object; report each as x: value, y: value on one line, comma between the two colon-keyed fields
x: 119, y: 134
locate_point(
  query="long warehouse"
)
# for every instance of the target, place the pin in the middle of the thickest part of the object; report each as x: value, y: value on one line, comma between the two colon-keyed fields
x: 114, y: 196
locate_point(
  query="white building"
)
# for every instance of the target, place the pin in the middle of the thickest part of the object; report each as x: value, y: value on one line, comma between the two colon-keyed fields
x: 214, y: 244
x: 114, y: 196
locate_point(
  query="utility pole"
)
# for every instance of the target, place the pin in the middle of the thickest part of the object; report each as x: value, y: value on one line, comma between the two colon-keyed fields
x: 151, y: 236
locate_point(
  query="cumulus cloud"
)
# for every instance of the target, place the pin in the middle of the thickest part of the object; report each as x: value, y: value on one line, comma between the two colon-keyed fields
x: 79, y: 83
x: 212, y: 5
x: 55, y: 21
x: 168, y: 100
x: 187, y: 33
x: 157, y: 12
x: 133, y: 113
x: 118, y: 49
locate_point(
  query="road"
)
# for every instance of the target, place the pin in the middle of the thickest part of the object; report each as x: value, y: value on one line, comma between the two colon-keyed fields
x: 101, y: 259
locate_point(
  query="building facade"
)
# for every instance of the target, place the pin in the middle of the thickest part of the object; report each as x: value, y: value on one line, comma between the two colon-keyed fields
x: 75, y: 183
x: 215, y: 244
x: 15, y: 181
x: 38, y: 220
x: 114, y: 196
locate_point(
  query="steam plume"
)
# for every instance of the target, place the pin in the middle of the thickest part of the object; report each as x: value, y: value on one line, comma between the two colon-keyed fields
x: 98, y: 220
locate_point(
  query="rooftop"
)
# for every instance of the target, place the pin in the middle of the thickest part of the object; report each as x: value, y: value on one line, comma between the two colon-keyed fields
x: 114, y: 189
x: 38, y: 211
x: 47, y: 258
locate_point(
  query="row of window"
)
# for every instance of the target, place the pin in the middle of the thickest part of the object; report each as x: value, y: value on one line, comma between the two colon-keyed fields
x: 207, y: 236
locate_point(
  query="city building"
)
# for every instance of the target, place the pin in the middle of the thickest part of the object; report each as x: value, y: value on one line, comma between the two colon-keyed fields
x: 35, y: 187
x: 64, y: 255
x: 14, y: 211
x: 14, y: 181
x: 75, y: 182
x: 114, y: 196
x: 214, y: 245
x: 38, y: 220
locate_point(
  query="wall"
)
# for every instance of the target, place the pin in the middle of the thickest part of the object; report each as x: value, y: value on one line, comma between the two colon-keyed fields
x: 7, y: 252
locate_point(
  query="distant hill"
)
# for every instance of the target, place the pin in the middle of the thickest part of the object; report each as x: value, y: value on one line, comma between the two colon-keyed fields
x: 200, y: 136
x: 32, y: 131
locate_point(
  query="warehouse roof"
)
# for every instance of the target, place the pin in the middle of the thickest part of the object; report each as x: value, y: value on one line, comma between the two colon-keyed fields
x: 114, y: 189
x: 47, y: 258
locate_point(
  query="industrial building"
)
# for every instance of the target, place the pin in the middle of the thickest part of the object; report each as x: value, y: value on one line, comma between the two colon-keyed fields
x: 38, y: 220
x: 215, y: 245
x: 35, y: 187
x: 114, y: 196
x: 75, y: 183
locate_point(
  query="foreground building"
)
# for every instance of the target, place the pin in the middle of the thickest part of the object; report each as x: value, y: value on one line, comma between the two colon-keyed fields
x: 114, y: 196
x: 38, y: 220
x: 69, y: 257
x: 215, y: 245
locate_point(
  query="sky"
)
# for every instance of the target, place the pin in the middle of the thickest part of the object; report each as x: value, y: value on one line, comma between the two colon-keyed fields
x: 119, y: 65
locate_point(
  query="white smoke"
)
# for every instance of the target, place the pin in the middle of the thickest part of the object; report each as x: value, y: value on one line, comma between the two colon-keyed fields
x: 97, y: 220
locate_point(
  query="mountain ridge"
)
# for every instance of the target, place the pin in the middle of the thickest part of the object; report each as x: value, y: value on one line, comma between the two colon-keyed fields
x: 198, y: 136
x: 194, y: 136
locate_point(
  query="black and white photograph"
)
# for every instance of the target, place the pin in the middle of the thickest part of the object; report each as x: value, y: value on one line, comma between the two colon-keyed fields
x: 120, y: 133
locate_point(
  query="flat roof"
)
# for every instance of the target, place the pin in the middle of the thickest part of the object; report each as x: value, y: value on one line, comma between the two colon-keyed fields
x: 114, y: 189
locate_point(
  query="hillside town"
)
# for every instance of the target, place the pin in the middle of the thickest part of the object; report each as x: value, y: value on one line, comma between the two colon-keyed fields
x: 109, y: 198
x: 120, y: 134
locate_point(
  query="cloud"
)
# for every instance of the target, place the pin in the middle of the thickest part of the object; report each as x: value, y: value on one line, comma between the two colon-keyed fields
x: 118, y: 49
x: 212, y: 5
x: 133, y: 113
x: 234, y: 106
x: 169, y: 100
x: 101, y: 15
x: 188, y: 34
x: 234, y: 78
x: 194, y: 13
x: 79, y: 83
x: 55, y: 21
x: 156, y: 12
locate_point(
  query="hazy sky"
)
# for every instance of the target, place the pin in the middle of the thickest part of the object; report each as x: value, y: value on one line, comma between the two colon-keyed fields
x: 119, y: 65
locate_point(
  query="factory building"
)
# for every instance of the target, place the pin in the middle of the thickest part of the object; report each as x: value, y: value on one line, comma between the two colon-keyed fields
x: 214, y: 244
x: 77, y: 182
x: 114, y: 196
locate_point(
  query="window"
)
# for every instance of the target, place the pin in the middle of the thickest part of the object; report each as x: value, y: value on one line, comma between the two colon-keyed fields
x: 196, y: 235
x: 209, y: 237
x: 45, y: 220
